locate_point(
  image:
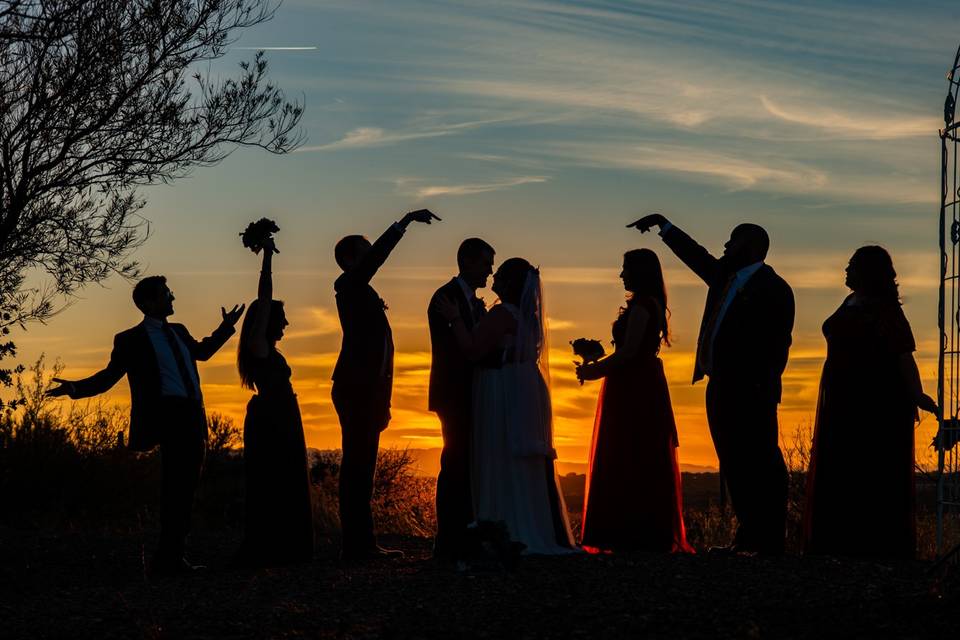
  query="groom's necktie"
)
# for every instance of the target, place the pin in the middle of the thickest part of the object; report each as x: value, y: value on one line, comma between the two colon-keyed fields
x: 181, y: 364
x: 477, y: 309
x: 709, y: 328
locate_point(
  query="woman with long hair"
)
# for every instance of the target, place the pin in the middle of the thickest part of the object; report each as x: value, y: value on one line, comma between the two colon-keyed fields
x: 279, y: 523
x: 633, y: 499
x: 860, y: 485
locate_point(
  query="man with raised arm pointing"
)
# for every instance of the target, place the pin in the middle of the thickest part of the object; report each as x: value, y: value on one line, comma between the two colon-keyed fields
x: 742, y: 347
x: 159, y: 359
x: 363, y: 380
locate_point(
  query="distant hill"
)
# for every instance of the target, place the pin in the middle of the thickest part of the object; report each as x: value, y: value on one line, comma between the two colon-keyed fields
x: 428, y: 464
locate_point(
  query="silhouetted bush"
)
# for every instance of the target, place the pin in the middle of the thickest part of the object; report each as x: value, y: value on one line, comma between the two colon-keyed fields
x: 403, y: 503
x: 64, y: 465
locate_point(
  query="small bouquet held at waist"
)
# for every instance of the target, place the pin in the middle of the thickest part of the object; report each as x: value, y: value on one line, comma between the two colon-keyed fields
x: 587, y: 350
x: 257, y: 234
x: 948, y: 435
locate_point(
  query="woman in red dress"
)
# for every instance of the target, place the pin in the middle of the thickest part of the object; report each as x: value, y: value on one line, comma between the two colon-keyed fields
x: 633, y: 499
x: 860, y: 485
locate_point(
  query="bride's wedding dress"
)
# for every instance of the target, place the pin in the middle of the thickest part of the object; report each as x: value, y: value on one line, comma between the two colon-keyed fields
x: 513, y: 474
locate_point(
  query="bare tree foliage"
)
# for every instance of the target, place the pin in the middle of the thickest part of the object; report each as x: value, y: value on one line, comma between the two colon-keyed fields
x: 223, y: 435
x: 97, y: 98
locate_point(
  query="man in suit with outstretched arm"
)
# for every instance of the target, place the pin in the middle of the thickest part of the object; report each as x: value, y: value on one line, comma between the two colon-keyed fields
x: 363, y: 380
x: 159, y: 359
x: 742, y: 347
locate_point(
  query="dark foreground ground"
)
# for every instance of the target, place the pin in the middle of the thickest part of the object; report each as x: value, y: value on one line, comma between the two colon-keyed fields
x: 81, y: 585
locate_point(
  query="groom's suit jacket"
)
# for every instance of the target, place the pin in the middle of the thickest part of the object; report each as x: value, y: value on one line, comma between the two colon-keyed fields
x: 363, y: 375
x: 752, y: 340
x: 134, y: 356
x: 451, y: 374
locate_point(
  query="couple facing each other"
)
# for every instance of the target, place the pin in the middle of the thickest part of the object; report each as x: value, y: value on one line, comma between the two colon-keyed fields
x: 633, y: 496
x: 490, y: 387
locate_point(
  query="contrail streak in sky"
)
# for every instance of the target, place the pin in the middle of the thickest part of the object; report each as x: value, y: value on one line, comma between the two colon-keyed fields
x: 277, y: 48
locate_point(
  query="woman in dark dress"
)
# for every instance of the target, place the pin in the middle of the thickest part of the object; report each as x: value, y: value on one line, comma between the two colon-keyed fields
x: 860, y: 485
x: 279, y: 523
x: 633, y: 498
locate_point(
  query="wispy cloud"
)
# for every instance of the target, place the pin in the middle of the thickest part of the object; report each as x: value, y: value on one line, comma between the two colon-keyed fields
x: 372, y: 137
x: 408, y: 185
x: 733, y: 171
x: 864, y: 125
x: 751, y: 169
x: 276, y: 48
x: 378, y: 137
x: 313, y: 322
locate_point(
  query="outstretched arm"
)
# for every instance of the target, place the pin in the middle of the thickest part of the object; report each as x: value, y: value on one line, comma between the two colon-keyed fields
x: 203, y: 350
x: 700, y: 261
x: 98, y: 383
x: 259, y: 345
x: 372, y: 260
x: 636, y: 327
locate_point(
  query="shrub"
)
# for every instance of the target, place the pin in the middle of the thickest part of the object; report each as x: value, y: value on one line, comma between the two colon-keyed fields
x: 403, y: 503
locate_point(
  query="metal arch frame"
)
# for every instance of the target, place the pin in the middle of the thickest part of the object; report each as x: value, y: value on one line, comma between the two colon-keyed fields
x: 948, y: 378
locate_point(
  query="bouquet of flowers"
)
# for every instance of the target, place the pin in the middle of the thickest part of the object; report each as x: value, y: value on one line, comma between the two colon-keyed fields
x: 950, y: 435
x: 588, y: 350
x: 257, y: 233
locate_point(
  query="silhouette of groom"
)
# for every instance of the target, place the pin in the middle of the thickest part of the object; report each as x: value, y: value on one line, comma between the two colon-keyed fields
x: 451, y: 379
x: 159, y: 359
x: 743, y: 347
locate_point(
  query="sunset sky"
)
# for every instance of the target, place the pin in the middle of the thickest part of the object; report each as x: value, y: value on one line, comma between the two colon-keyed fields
x: 545, y: 127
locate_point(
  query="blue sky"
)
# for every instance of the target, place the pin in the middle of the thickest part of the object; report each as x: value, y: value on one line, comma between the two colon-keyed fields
x: 545, y: 127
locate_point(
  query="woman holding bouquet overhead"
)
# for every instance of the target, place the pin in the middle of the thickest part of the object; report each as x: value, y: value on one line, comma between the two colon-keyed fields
x: 860, y: 486
x: 279, y: 524
x: 633, y: 499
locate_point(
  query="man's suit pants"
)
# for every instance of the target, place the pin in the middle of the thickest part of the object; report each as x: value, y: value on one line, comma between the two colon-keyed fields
x: 745, y: 431
x: 182, y: 448
x: 454, y: 495
x: 360, y: 443
x: 361, y: 421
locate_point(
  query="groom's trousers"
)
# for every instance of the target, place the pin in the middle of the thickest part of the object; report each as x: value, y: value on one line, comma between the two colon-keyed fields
x: 743, y: 424
x: 454, y: 496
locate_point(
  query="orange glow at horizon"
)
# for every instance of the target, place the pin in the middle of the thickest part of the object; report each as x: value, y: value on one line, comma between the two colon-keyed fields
x: 415, y: 427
